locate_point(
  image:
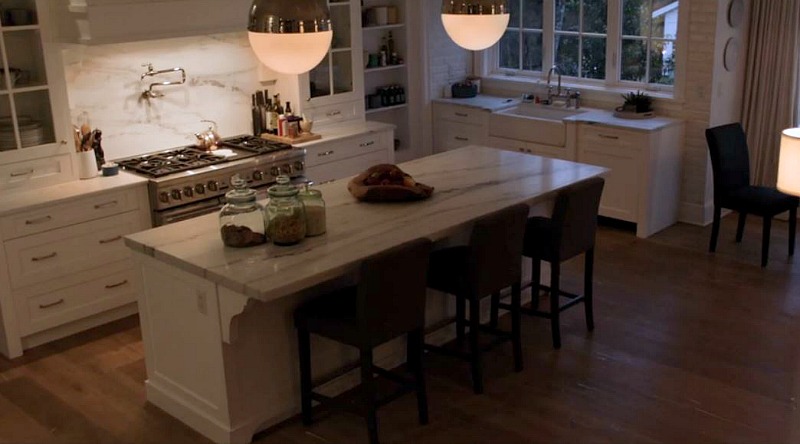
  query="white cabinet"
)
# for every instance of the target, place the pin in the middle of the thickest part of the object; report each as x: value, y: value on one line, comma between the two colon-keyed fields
x: 456, y: 126
x: 33, y: 122
x: 65, y: 266
x: 345, y: 157
x: 643, y: 185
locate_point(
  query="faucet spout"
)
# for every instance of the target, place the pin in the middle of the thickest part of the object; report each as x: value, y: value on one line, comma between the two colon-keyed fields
x: 557, y: 70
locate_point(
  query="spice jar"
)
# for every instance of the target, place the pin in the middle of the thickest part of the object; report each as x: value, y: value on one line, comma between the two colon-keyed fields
x: 241, y: 220
x: 286, y: 214
x: 315, y: 210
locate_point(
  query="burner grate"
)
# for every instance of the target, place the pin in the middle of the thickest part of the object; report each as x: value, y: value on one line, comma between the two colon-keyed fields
x: 255, y: 144
x: 168, y: 162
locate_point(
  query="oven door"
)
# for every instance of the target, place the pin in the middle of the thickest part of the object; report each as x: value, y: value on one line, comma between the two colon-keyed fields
x: 185, y: 212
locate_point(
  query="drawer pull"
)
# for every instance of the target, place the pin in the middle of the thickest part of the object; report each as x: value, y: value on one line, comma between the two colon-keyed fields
x: 463, y: 139
x: 44, y: 258
x: 52, y: 304
x: 105, y: 205
x: 604, y: 136
x: 327, y: 181
x: 334, y: 113
x: 325, y: 154
x: 370, y: 143
x: 462, y: 114
x: 22, y: 173
x: 120, y: 284
x: 40, y: 220
x: 108, y: 241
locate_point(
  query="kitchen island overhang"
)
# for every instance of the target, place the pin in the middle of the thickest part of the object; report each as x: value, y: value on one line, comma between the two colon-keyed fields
x: 217, y: 322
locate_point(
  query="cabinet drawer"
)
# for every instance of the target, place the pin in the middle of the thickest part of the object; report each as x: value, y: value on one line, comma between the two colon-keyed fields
x: 345, y: 168
x: 58, y: 216
x: 48, y: 310
x: 354, y: 146
x: 593, y: 135
x: 462, y: 114
x: 339, y: 112
x: 36, y: 173
x: 452, y: 135
x: 61, y: 252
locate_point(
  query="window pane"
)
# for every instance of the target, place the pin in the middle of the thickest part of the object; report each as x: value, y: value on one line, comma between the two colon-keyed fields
x: 532, y: 14
x: 567, y: 15
x: 509, y: 50
x: 566, y: 50
x: 593, y: 63
x: 665, y: 22
x: 532, y: 51
x: 634, y: 60
x: 594, y: 16
x: 636, y: 17
x: 662, y: 62
x: 513, y: 9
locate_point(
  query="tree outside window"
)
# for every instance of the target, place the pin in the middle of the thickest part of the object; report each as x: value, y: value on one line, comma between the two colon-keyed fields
x: 649, y: 31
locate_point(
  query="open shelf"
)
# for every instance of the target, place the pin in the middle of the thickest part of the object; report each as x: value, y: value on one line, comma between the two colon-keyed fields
x: 384, y: 68
x: 386, y: 108
x: 377, y: 27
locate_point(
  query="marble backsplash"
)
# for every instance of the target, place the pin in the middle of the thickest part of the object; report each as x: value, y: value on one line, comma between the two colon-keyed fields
x: 104, y: 81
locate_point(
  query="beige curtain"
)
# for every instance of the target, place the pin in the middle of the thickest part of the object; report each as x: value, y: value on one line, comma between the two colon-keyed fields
x: 771, y: 85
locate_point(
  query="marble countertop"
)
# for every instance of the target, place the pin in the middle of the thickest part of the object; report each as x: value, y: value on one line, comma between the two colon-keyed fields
x: 344, y: 130
x: 12, y: 201
x: 469, y: 182
x: 481, y: 101
x: 603, y: 117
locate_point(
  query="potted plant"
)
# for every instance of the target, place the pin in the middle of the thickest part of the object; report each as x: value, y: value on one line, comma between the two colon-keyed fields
x: 638, y: 103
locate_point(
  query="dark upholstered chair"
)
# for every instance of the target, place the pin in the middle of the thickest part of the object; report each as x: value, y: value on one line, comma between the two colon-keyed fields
x: 730, y: 161
x: 490, y: 263
x: 570, y: 231
x: 388, y: 302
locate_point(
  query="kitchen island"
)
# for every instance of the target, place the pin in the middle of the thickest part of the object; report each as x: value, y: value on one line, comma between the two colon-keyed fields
x: 217, y: 322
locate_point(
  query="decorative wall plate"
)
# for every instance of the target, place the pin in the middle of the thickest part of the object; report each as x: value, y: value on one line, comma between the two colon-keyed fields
x: 735, y: 13
x: 730, y: 57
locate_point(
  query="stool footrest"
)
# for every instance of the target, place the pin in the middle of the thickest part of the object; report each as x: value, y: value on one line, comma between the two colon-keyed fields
x: 544, y: 314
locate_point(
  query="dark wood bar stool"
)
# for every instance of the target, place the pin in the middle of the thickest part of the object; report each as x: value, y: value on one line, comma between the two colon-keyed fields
x: 569, y: 232
x: 490, y: 263
x: 388, y: 302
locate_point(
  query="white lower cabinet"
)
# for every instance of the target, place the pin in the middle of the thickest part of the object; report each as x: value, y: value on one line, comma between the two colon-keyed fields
x: 328, y: 161
x: 65, y: 266
x: 456, y: 126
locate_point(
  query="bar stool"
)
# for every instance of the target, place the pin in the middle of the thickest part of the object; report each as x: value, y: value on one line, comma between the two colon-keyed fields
x: 388, y: 302
x: 569, y: 232
x: 490, y: 263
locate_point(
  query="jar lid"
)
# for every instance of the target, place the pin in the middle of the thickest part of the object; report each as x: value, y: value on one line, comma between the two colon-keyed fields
x: 283, y: 188
x: 310, y: 193
x: 240, y: 194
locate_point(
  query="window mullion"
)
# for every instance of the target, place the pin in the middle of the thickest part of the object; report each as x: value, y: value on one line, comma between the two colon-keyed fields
x: 613, y: 41
x: 548, y: 36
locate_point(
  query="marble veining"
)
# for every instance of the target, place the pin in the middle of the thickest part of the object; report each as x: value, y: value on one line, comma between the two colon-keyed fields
x: 470, y: 182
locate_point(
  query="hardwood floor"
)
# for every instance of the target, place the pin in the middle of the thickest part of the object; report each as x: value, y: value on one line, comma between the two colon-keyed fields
x: 689, y: 347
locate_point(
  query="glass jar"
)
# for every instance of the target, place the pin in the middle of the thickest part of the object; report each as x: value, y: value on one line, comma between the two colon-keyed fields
x: 241, y: 220
x: 286, y: 214
x: 315, y: 211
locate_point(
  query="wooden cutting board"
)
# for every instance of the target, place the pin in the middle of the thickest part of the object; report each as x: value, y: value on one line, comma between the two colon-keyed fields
x: 305, y: 137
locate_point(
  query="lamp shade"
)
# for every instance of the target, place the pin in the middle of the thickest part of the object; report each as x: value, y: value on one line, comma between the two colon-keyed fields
x: 789, y: 164
x: 475, y: 25
x: 290, y: 36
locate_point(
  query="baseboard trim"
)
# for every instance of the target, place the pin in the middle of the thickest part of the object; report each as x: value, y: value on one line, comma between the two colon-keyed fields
x: 696, y: 214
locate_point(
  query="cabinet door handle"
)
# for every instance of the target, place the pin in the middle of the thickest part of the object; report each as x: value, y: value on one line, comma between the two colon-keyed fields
x: 370, y: 143
x: 604, y: 136
x: 105, y: 205
x: 22, y: 173
x: 40, y: 220
x: 334, y: 113
x: 462, y: 114
x: 108, y: 241
x: 325, y: 154
x: 52, y: 304
x: 44, y: 258
x: 463, y: 139
x: 119, y: 284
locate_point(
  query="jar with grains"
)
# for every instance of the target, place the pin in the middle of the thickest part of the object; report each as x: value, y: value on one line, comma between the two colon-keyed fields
x: 315, y: 210
x: 241, y: 220
x: 286, y: 214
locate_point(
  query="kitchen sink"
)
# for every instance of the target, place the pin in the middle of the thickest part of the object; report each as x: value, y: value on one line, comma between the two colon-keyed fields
x: 532, y: 123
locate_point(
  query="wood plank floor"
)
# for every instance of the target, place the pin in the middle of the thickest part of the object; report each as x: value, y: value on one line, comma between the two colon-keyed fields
x: 689, y: 347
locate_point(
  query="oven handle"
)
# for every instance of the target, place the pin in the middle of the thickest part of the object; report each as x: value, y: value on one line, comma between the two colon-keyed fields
x: 179, y: 214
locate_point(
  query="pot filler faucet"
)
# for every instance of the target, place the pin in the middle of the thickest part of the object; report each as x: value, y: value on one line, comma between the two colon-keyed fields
x: 150, y: 94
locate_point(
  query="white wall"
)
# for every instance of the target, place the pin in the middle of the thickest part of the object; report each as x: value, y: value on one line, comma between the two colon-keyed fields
x: 448, y: 62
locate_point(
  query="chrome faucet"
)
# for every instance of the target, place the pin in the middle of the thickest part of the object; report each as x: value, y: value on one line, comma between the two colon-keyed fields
x: 149, y: 93
x: 549, y: 77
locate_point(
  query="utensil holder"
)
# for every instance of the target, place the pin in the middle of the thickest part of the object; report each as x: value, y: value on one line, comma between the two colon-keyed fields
x: 87, y: 165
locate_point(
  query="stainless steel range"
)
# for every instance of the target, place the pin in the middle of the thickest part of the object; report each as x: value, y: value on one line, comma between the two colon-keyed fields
x: 188, y: 182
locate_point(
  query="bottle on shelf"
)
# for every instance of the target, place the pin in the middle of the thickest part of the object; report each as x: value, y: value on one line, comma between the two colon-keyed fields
x: 384, y: 52
x: 288, y: 112
x: 390, y: 45
x: 273, y: 115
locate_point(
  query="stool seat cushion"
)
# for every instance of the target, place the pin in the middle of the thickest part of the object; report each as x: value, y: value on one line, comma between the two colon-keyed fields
x: 332, y: 316
x: 761, y: 201
x: 540, y: 241
x: 447, y: 271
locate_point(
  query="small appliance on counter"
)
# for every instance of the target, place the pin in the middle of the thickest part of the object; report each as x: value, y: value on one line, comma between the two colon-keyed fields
x: 464, y: 90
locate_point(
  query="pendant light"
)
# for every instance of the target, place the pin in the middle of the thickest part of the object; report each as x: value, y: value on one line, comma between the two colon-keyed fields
x: 475, y: 24
x: 290, y: 36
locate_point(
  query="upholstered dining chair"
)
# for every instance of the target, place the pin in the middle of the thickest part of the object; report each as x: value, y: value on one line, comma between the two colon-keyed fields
x: 730, y: 161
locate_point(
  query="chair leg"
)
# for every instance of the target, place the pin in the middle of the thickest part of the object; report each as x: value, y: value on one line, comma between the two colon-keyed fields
x: 536, y: 280
x: 368, y: 392
x: 555, y: 312
x: 495, y: 312
x: 414, y: 351
x: 304, y: 352
x: 516, y: 325
x: 792, y: 228
x: 474, y: 345
x: 588, y: 284
x: 765, y: 240
x: 712, y: 246
x: 461, y: 319
x: 740, y: 227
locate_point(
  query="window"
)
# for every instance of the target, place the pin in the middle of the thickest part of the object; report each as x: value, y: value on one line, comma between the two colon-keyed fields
x: 615, y: 42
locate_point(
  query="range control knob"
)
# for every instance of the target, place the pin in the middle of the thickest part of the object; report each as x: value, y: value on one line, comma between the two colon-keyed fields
x: 188, y: 192
x: 200, y: 188
x: 258, y: 175
x: 286, y: 169
x: 299, y: 165
x: 163, y: 197
x: 213, y: 185
x: 275, y: 171
x: 176, y: 194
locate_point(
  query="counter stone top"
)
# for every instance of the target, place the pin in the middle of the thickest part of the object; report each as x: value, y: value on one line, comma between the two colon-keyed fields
x: 12, y: 201
x: 485, y: 102
x: 604, y: 117
x: 344, y: 130
x: 469, y: 183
